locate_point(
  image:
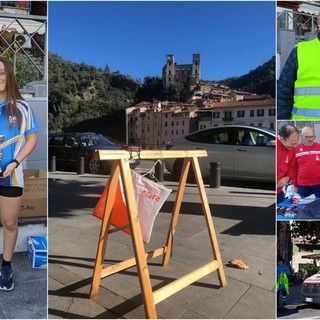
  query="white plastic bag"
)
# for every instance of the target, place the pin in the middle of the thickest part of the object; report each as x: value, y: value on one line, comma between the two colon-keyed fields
x: 150, y: 197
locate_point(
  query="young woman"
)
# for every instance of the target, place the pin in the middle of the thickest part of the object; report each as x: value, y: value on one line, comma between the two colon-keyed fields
x: 18, y: 137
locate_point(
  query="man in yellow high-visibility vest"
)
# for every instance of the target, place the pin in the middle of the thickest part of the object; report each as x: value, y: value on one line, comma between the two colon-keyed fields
x: 298, y: 90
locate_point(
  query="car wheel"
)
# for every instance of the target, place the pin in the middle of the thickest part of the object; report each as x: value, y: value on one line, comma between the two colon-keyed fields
x: 94, y: 166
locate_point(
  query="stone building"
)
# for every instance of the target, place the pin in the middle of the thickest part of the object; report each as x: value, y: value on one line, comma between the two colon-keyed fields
x: 256, y: 112
x: 173, y: 73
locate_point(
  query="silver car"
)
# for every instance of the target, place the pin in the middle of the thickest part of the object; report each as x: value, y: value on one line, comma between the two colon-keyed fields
x: 244, y: 152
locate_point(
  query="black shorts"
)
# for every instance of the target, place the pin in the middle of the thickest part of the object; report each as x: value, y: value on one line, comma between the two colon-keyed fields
x: 11, y: 192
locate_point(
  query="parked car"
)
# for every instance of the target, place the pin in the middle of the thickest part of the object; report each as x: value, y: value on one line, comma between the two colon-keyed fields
x: 310, y: 290
x: 70, y: 146
x: 244, y: 152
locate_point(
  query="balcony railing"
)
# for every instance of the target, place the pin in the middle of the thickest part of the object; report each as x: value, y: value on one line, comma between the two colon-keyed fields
x: 300, y: 22
x: 227, y: 119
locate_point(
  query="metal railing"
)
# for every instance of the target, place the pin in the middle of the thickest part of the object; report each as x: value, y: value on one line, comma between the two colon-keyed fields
x: 301, y: 23
x: 30, y: 27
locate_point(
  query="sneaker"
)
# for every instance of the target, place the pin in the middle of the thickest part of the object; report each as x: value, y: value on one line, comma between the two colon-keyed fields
x: 6, y: 280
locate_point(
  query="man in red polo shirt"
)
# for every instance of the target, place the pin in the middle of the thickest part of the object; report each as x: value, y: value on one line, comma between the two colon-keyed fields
x: 287, y: 140
x: 307, y: 157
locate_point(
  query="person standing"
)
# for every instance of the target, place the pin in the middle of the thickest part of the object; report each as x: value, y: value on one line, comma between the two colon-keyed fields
x: 287, y: 140
x: 18, y: 128
x: 283, y: 272
x: 298, y: 89
x: 307, y: 158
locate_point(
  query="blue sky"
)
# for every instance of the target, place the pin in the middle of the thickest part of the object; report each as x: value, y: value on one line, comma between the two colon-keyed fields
x: 233, y: 37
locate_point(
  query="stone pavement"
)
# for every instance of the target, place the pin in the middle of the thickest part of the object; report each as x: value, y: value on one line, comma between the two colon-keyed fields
x: 244, y: 219
x: 28, y: 299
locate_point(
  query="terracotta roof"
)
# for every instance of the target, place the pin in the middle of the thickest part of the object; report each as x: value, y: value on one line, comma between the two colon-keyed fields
x: 231, y: 104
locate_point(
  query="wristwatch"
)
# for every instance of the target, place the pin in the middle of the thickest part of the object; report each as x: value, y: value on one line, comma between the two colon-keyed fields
x: 16, y: 162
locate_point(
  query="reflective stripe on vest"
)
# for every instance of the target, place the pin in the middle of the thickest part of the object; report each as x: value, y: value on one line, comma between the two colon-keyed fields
x: 307, y: 85
x: 307, y: 91
x: 306, y: 112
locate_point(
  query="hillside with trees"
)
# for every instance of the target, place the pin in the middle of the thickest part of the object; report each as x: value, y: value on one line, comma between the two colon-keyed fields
x: 260, y: 80
x: 87, y: 98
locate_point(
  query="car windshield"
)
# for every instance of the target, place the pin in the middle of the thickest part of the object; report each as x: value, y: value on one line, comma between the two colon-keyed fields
x: 92, y: 139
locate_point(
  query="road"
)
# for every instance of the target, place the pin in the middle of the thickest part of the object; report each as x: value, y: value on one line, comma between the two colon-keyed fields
x: 295, y: 309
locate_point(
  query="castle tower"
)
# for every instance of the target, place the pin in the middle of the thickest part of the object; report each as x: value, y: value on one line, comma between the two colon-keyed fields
x: 196, y: 66
x: 168, y: 72
x: 173, y: 73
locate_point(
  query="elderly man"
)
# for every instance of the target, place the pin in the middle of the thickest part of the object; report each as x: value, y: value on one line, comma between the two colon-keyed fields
x: 287, y: 140
x: 307, y: 160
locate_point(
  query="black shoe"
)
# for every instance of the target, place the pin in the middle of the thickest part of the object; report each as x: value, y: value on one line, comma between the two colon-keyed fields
x: 6, y: 280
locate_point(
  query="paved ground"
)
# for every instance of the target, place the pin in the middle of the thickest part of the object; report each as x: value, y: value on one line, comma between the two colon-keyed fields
x: 28, y: 299
x: 244, y: 219
x: 295, y: 308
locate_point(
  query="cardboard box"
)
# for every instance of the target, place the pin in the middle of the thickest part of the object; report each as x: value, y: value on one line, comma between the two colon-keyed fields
x: 35, y: 182
x: 33, y: 207
x: 38, y: 251
x: 34, y: 200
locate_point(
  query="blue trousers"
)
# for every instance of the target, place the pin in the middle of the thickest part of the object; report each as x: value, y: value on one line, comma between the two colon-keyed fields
x: 280, y: 197
x: 305, y: 191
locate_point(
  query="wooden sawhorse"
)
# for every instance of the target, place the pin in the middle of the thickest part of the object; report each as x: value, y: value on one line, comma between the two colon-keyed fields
x: 121, y: 168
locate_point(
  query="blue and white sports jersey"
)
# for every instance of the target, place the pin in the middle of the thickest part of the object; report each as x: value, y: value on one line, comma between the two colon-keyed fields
x: 14, y: 139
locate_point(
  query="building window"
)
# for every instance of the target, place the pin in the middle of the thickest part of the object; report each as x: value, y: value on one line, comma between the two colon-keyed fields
x: 165, y: 133
x: 272, y: 112
x: 172, y: 132
x: 216, y: 115
x: 172, y: 123
x: 182, y: 132
x: 177, y: 131
x: 272, y: 125
x: 251, y: 113
x: 228, y: 115
x: 183, y: 122
x: 166, y: 124
x: 166, y: 115
x: 240, y: 113
x: 260, y: 112
x: 177, y: 123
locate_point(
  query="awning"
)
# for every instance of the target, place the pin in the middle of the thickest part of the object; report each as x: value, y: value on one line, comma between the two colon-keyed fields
x: 311, y: 256
x: 20, y: 25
